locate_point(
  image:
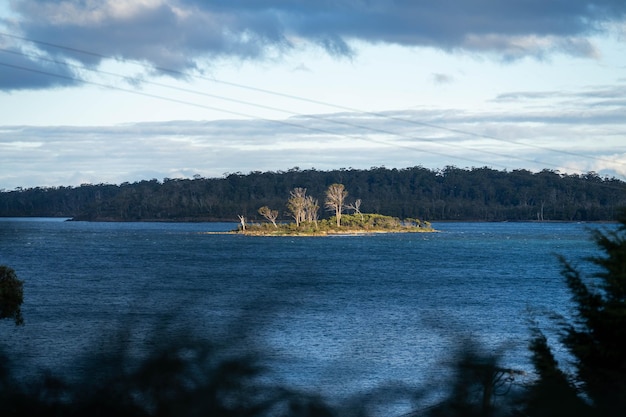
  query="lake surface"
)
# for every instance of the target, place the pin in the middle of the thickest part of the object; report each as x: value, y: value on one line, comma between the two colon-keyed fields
x: 335, y: 315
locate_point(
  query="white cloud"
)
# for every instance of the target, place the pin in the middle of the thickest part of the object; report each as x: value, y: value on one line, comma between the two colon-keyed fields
x: 508, y: 86
x: 528, y: 139
x: 517, y: 47
x: 440, y: 78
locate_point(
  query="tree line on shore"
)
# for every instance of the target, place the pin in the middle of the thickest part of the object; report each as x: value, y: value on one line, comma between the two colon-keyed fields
x: 451, y: 193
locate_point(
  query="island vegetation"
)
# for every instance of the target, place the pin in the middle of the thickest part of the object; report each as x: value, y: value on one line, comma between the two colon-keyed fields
x: 304, y: 209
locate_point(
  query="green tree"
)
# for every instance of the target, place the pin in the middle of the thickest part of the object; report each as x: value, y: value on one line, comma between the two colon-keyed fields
x: 11, y: 295
x: 553, y: 393
x: 596, y: 337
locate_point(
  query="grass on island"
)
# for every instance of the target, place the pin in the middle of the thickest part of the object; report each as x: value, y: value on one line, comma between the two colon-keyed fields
x: 350, y: 224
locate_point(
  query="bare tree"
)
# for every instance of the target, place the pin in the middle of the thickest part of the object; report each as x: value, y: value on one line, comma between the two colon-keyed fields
x: 311, y: 206
x: 269, y: 214
x: 296, y: 204
x: 242, y: 219
x: 356, y: 206
x: 335, y: 196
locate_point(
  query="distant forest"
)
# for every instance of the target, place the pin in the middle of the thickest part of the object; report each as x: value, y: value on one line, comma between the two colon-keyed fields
x: 481, y: 194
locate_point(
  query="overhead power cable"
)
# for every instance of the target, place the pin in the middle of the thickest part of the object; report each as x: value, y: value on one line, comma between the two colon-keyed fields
x: 247, y: 103
x: 335, y: 106
x: 315, y: 117
x: 236, y: 113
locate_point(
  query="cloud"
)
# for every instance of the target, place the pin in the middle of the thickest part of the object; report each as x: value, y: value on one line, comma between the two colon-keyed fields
x: 19, y: 71
x: 515, y: 47
x: 600, y: 103
x: 570, y: 138
x: 184, y: 34
x: 439, y: 78
x: 301, y: 68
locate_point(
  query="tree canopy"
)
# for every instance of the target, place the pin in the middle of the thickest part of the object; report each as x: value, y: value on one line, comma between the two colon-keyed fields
x: 450, y: 193
x: 596, y: 338
x: 11, y: 295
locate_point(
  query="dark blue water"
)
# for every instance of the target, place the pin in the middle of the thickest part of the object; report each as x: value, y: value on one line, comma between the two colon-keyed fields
x: 333, y: 314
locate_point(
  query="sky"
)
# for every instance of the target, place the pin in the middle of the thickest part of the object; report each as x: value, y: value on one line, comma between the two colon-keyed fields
x: 110, y: 91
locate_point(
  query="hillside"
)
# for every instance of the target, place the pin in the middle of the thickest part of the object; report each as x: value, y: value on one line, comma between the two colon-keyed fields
x: 481, y: 194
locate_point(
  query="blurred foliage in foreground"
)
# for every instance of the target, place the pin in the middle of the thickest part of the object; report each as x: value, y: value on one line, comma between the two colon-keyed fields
x: 11, y: 295
x: 197, y: 378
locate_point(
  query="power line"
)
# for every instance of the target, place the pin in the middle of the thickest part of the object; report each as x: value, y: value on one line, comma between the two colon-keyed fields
x: 241, y: 114
x: 236, y: 113
x: 184, y: 74
x: 247, y: 103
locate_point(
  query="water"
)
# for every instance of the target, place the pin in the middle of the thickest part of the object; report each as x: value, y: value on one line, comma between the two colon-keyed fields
x: 336, y: 315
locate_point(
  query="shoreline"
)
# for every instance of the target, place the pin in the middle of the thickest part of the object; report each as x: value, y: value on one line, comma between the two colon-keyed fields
x: 188, y: 220
x: 325, y: 233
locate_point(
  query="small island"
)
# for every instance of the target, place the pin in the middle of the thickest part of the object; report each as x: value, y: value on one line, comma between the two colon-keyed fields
x: 304, y: 209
